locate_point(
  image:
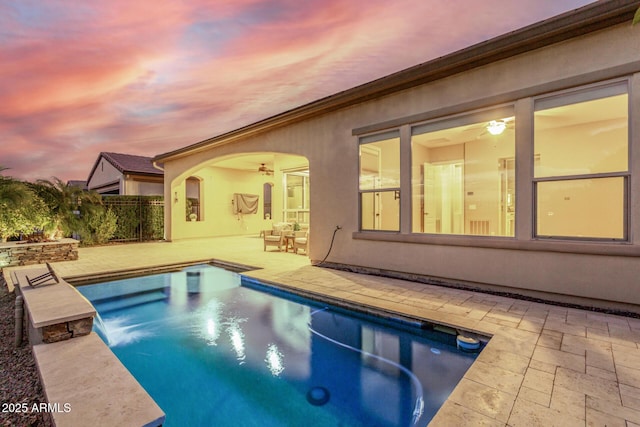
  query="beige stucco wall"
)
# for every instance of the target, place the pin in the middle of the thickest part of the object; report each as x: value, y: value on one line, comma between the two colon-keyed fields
x: 332, y: 151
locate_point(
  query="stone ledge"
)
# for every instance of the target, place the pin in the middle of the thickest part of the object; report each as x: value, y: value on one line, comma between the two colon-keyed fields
x: 54, y: 312
x: 92, y: 387
x: 18, y: 253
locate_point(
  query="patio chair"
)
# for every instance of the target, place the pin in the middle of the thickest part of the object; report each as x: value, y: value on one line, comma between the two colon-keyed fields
x: 301, y: 241
x: 273, y: 238
x: 48, y: 278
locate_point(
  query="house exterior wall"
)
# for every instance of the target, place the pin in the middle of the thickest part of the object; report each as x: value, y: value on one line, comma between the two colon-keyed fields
x: 104, y: 174
x: 602, y: 273
x: 133, y: 187
x: 218, y: 186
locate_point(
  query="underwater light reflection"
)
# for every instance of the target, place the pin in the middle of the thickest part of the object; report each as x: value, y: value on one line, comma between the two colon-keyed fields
x: 274, y: 360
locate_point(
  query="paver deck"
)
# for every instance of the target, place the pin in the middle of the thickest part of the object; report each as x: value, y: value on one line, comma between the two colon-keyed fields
x: 544, y: 366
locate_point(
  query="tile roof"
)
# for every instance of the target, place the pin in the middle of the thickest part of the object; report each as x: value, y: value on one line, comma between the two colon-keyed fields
x: 129, y: 163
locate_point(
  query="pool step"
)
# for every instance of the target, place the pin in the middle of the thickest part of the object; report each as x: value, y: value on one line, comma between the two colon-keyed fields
x: 114, y: 304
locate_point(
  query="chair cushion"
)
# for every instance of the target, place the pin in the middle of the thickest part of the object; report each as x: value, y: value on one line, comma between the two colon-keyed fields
x: 272, y: 238
x: 301, y: 240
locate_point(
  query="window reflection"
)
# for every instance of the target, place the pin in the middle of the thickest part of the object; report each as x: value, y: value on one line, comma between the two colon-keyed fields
x: 463, y: 175
x: 581, y: 170
x: 380, y: 182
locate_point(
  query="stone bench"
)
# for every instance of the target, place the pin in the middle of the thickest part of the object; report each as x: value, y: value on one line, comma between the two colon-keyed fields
x: 86, y: 384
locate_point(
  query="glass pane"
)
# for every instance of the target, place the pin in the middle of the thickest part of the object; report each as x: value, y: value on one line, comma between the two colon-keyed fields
x: 582, y: 138
x: 380, y: 210
x: 297, y: 197
x: 581, y: 208
x: 463, y: 178
x: 380, y: 164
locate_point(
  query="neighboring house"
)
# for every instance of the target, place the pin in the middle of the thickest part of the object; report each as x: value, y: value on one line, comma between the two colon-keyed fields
x: 512, y: 165
x: 125, y: 174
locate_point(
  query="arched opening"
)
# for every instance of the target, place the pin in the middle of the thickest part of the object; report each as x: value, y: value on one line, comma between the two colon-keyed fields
x: 193, y: 203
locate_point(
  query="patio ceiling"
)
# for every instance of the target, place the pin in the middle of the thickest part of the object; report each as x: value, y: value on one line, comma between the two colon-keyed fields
x: 251, y: 162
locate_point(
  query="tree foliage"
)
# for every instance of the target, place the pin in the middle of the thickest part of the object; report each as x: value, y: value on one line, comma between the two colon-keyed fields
x: 52, y: 208
x: 68, y: 204
x: 21, y: 211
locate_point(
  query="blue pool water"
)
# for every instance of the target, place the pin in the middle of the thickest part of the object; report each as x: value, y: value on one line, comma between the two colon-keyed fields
x: 214, y: 350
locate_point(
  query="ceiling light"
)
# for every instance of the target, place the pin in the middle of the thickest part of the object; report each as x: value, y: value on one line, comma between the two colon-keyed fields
x: 496, y: 127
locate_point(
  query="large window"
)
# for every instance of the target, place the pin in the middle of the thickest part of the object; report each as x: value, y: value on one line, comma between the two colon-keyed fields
x: 581, y: 168
x: 380, y: 182
x: 463, y: 175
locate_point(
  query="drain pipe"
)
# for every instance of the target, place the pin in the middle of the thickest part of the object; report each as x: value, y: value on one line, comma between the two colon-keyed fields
x: 330, y: 246
x: 19, y: 316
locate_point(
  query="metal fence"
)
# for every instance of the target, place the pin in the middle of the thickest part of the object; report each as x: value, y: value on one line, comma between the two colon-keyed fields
x: 140, y: 218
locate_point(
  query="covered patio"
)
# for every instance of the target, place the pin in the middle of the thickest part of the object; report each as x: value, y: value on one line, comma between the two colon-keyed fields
x: 237, y: 194
x: 544, y: 365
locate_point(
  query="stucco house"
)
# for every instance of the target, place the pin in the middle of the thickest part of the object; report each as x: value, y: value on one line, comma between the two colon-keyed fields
x: 125, y: 174
x: 512, y: 165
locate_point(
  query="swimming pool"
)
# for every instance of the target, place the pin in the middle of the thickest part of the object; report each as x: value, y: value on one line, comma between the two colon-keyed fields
x: 215, y: 350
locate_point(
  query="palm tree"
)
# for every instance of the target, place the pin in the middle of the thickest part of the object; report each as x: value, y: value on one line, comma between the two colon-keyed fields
x: 66, y: 202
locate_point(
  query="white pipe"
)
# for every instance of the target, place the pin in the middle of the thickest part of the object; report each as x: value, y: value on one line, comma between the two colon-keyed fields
x: 157, y: 166
x: 19, y: 321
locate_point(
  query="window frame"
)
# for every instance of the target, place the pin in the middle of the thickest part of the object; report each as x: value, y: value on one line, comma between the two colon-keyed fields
x: 465, y: 118
x: 575, y: 96
x: 363, y: 140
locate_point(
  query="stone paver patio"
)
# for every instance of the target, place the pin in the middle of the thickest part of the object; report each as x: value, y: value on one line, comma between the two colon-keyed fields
x: 544, y: 366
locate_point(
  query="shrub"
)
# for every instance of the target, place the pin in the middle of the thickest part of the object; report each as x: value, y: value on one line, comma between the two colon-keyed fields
x: 21, y: 211
x: 103, y: 226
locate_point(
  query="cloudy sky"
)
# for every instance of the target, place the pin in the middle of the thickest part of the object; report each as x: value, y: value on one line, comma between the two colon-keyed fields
x: 146, y: 77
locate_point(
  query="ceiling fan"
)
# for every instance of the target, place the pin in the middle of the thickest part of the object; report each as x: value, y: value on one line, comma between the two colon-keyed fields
x: 493, y: 127
x: 264, y: 170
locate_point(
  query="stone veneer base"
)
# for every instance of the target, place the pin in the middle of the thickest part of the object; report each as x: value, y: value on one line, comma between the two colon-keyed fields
x: 14, y: 254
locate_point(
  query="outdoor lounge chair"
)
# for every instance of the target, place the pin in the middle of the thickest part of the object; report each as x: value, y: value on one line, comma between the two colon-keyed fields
x: 301, y: 241
x: 273, y: 238
x: 48, y: 278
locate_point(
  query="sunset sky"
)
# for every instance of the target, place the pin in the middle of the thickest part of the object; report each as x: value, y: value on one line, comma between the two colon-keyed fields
x: 146, y: 77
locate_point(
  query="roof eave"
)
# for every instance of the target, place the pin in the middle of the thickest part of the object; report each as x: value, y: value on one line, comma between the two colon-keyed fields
x: 579, y: 22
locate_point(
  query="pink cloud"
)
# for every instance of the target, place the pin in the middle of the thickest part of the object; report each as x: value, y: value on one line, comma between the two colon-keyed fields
x: 146, y: 77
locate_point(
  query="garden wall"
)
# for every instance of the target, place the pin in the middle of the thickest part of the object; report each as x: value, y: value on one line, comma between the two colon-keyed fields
x: 18, y: 253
